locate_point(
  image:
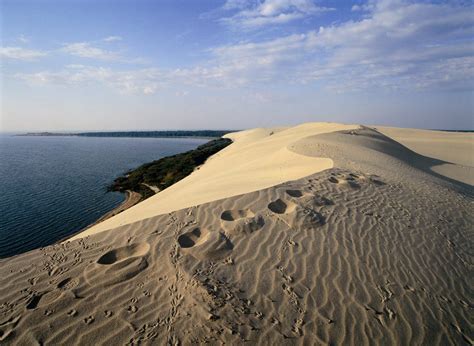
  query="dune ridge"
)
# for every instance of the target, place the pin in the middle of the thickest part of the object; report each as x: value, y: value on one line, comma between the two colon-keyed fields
x: 374, y: 250
x: 257, y: 159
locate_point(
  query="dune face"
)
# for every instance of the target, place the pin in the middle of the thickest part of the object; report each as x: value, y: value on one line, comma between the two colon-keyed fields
x: 257, y: 159
x: 375, y: 250
x: 455, y: 150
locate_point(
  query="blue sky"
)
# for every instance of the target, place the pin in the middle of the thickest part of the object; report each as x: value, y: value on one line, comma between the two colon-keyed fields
x: 118, y: 65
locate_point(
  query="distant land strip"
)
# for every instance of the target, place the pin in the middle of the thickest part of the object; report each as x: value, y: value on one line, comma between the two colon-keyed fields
x: 140, y: 134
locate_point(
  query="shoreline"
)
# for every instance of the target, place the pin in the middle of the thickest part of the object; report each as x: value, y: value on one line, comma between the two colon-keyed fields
x: 138, y: 190
x: 132, y: 198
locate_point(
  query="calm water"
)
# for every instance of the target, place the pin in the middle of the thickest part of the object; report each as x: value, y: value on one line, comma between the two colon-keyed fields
x: 52, y: 187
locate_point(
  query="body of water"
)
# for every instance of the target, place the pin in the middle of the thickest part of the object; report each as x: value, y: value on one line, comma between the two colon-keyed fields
x: 52, y: 187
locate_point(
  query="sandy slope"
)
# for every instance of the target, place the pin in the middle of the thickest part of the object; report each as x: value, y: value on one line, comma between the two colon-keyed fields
x: 455, y: 150
x: 376, y: 250
x: 453, y: 147
x: 257, y: 159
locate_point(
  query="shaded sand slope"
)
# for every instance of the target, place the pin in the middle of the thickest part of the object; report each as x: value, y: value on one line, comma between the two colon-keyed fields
x: 456, y: 149
x: 257, y: 159
x: 375, y: 251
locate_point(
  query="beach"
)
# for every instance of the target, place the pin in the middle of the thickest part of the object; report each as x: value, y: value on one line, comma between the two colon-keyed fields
x: 320, y: 233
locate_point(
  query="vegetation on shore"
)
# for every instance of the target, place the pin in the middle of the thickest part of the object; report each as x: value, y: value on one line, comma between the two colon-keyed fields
x: 166, y: 171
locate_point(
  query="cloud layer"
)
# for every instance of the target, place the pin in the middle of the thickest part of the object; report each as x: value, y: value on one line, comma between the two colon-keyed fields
x: 392, y: 45
x: 255, y: 14
x: 19, y: 53
x: 86, y: 50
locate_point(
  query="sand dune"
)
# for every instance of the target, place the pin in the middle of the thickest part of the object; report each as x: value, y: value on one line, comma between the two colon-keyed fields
x: 257, y: 159
x: 375, y: 249
x: 455, y: 150
x: 453, y: 147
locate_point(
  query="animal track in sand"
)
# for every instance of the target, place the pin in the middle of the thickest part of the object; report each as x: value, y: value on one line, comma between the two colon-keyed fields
x: 280, y: 207
x: 72, y: 313
x: 123, y: 253
x: 294, y: 193
x: 234, y: 215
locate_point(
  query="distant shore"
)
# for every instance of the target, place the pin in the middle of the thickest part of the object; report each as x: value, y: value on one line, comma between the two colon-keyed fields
x: 134, y: 134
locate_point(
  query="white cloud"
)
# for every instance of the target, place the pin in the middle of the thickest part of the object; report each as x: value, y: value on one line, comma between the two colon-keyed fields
x: 86, y: 50
x: 145, y: 81
x: 92, y: 50
x: 19, y: 53
x: 112, y: 39
x: 23, y: 39
x: 252, y: 15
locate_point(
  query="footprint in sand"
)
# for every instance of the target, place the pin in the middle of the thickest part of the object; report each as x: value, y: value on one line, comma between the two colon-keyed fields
x: 43, y: 299
x: 204, y: 244
x: 321, y: 201
x: 189, y: 239
x: 234, y: 215
x: 296, y: 218
x: 295, y: 193
x: 118, y: 265
x: 353, y: 184
x: 241, y: 221
x: 124, y: 253
x: 34, y: 301
x: 67, y: 284
x: 280, y: 207
x: 376, y: 181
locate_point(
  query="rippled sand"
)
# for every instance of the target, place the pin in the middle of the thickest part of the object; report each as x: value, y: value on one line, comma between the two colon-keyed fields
x: 375, y: 250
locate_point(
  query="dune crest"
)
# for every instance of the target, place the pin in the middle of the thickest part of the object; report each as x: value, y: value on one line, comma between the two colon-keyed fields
x: 258, y: 158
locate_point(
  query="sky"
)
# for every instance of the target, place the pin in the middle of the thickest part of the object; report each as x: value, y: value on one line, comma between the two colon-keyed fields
x: 76, y: 65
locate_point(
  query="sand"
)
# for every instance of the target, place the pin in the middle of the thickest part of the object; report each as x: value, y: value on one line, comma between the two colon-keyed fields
x: 455, y: 150
x: 257, y: 159
x: 376, y: 248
